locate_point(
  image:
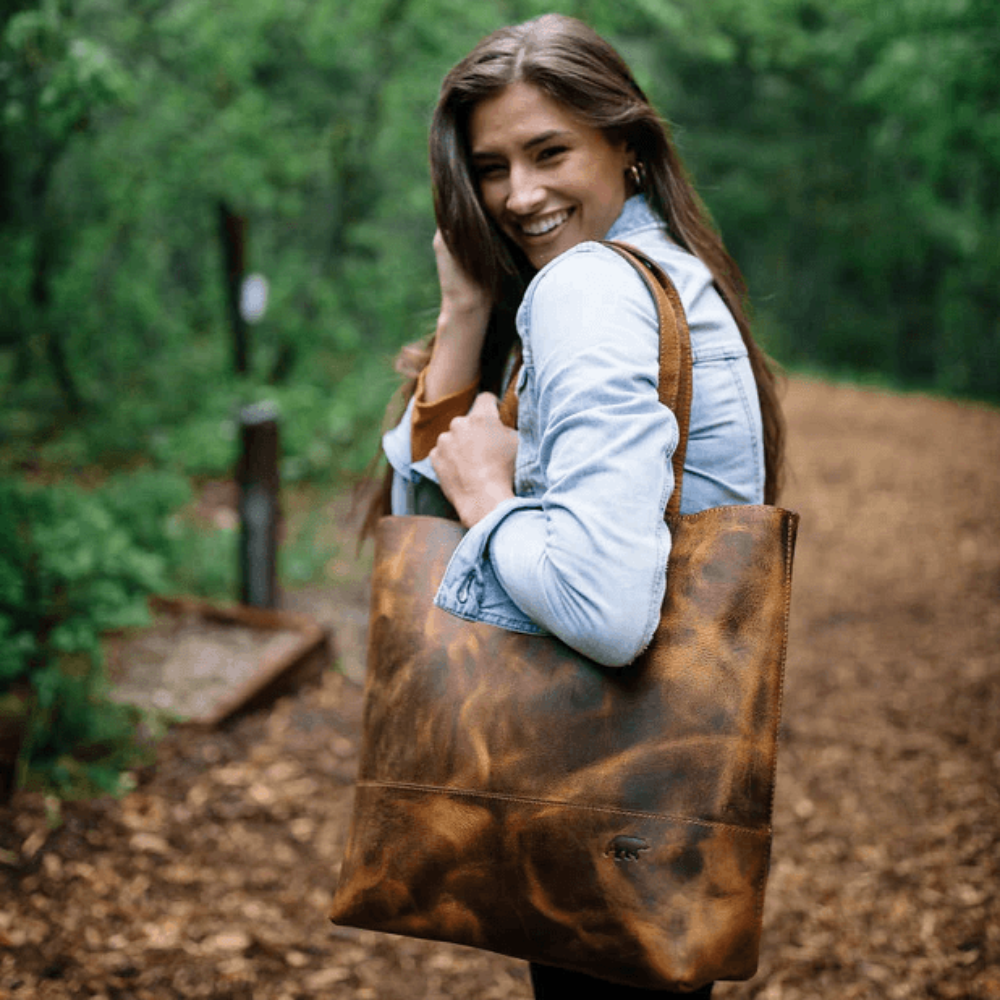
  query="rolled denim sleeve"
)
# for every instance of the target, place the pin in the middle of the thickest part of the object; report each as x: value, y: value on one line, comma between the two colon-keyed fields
x: 410, y: 478
x: 396, y: 445
x: 470, y: 588
x: 587, y: 559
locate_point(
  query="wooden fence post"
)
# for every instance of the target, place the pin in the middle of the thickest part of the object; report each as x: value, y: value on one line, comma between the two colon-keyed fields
x: 259, y: 506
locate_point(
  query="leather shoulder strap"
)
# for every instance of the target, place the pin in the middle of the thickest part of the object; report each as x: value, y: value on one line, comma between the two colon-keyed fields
x: 676, y: 375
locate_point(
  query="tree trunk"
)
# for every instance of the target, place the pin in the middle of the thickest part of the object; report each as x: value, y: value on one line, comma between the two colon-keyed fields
x: 232, y: 236
x: 55, y: 349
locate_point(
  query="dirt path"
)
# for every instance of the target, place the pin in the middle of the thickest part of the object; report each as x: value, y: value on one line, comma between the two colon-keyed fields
x: 212, y: 879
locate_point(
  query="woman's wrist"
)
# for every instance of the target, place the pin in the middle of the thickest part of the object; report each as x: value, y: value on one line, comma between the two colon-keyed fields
x: 458, y: 345
x: 472, y: 508
x: 468, y: 312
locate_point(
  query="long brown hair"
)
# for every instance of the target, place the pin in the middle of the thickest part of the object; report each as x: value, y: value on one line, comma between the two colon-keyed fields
x: 574, y: 66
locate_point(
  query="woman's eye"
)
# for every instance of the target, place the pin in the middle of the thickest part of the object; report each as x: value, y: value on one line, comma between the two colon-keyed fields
x: 550, y: 152
x: 486, y: 171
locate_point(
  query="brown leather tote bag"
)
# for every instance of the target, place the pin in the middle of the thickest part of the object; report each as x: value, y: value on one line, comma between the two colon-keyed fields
x: 515, y: 796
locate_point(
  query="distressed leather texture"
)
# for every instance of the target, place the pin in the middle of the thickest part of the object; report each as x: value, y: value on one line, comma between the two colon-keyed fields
x: 514, y: 796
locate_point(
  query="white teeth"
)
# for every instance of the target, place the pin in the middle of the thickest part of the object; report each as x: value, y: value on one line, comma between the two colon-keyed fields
x: 546, y: 224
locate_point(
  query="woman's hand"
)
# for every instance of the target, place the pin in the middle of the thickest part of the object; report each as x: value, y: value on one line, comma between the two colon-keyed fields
x: 460, y: 295
x: 461, y: 328
x: 474, y: 460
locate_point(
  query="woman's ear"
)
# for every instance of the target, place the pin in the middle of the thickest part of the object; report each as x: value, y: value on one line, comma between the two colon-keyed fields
x: 635, y: 175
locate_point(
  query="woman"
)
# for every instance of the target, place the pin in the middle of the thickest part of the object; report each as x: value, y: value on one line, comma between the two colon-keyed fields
x: 541, y: 144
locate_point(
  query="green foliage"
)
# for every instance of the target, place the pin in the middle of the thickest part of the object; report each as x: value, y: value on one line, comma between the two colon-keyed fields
x: 304, y: 557
x: 323, y: 432
x: 201, y: 561
x: 77, y: 563
x: 848, y: 151
x: 54, y: 77
x: 73, y: 565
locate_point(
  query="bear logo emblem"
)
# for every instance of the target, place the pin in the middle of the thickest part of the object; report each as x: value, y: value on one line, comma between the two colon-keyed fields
x: 625, y: 848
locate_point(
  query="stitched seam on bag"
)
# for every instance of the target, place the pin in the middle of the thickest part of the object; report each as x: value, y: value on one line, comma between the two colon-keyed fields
x: 503, y: 797
x: 788, y: 527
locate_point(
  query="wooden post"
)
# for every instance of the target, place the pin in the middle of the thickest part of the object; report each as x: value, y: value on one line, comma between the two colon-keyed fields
x: 232, y: 235
x: 257, y: 475
x: 15, y: 718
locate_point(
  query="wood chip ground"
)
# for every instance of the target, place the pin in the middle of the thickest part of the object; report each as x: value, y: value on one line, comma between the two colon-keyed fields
x: 212, y: 879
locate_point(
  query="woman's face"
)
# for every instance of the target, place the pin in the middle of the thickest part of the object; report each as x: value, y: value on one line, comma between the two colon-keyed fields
x: 546, y: 178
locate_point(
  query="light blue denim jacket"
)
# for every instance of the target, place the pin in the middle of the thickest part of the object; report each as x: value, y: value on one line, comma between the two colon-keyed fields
x: 581, y: 551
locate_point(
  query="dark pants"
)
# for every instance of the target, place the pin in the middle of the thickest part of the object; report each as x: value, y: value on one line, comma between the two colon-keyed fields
x: 558, y: 984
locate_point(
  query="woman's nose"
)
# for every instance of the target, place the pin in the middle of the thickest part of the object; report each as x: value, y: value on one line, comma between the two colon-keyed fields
x: 526, y: 192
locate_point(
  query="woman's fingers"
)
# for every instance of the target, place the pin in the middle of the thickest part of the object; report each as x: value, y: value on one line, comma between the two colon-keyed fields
x: 459, y: 293
x: 475, y: 459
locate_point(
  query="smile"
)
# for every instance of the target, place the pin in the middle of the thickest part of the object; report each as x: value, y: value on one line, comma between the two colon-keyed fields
x: 545, y: 223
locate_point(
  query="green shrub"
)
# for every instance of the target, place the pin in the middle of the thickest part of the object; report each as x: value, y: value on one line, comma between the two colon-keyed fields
x: 325, y: 432
x: 201, y: 562
x: 74, y: 564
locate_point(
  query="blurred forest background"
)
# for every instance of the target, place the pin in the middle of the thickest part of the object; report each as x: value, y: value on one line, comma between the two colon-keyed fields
x: 849, y: 151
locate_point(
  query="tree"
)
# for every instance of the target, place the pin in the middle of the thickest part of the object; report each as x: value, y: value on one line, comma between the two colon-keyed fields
x: 52, y: 79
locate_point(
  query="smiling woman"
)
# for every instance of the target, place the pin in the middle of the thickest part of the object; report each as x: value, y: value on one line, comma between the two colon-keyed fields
x: 546, y: 178
x: 542, y: 145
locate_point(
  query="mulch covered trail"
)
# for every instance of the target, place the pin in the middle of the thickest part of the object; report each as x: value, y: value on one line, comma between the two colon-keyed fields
x: 212, y: 879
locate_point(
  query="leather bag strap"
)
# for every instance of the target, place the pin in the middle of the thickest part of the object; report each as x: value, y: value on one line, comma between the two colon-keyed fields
x: 676, y: 374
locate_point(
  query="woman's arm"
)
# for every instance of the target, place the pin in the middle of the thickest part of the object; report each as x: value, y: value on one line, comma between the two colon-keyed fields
x: 591, y: 564
x: 461, y: 328
x: 586, y: 557
x: 446, y: 387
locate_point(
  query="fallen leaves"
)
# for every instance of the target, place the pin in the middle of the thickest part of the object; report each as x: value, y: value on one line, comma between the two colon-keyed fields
x: 213, y: 878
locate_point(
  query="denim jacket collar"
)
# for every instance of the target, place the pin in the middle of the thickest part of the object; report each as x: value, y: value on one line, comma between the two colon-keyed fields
x: 635, y: 215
